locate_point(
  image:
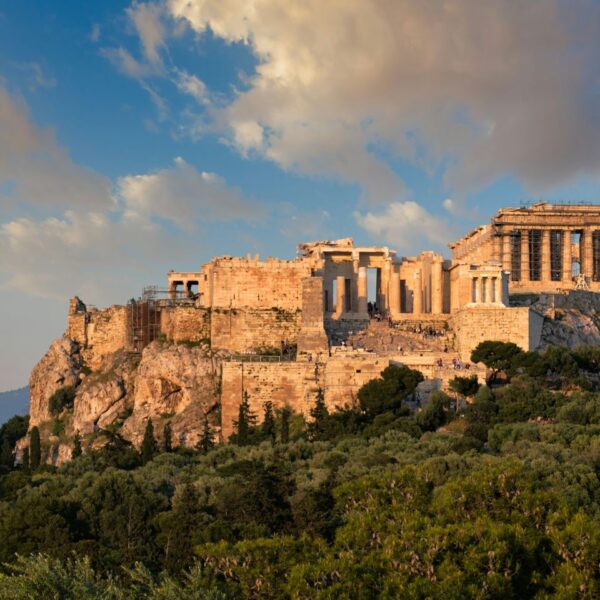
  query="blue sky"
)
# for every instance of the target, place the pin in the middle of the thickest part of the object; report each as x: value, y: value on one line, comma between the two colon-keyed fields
x: 138, y: 137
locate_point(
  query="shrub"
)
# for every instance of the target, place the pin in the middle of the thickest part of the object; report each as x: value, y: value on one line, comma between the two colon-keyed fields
x: 62, y: 398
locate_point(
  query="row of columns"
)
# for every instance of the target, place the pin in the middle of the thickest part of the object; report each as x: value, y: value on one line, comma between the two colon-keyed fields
x: 389, y: 291
x: 585, y: 253
x: 486, y: 290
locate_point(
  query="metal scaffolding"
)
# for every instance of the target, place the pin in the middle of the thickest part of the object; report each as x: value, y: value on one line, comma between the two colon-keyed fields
x: 515, y: 255
x: 596, y: 255
x: 556, y: 254
x: 535, y: 254
x: 144, y: 323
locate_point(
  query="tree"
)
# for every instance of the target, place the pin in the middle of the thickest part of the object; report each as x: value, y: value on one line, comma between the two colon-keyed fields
x: 268, y: 424
x: 464, y: 386
x: 435, y: 414
x: 207, y: 440
x: 6, y: 454
x: 319, y: 414
x: 284, y: 434
x: 245, y: 422
x: 149, y: 445
x: 25, y: 462
x: 77, y: 451
x: 35, y: 450
x: 167, y: 438
x: 62, y: 398
x: 497, y: 356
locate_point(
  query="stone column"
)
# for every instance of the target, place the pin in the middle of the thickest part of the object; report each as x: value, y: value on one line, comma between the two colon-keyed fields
x: 524, y: 255
x: 378, y: 294
x: 385, y: 285
x: 498, y: 290
x: 354, y: 299
x: 362, y: 291
x: 394, y: 291
x: 340, y: 287
x: 506, y: 256
x: 567, y: 257
x: 477, y: 284
x: 587, y: 266
x: 418, y: 294
x: 437, y: 291
x: 546, y: 274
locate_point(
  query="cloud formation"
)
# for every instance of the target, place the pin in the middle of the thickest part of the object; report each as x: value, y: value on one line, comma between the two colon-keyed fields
x: 346, y: 88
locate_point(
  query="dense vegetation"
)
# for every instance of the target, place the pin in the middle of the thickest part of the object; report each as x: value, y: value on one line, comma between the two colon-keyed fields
x: 497, y: 498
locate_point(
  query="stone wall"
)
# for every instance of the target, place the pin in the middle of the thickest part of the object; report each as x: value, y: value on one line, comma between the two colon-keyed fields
x: 181, y: 323
x: 521, y: 326
x: 106, y: 333
x: 248, y: 330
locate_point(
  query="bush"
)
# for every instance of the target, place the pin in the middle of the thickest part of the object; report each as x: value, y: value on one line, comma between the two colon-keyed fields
x: 62, y: 398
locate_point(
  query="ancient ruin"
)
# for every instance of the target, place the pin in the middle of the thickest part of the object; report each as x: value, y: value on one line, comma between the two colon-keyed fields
x: 331, y: 318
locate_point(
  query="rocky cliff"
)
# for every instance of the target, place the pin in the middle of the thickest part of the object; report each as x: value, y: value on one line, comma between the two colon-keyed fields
x: 167, y: 383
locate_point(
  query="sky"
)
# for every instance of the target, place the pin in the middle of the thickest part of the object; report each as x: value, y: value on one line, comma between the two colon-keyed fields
x: 141, y: 137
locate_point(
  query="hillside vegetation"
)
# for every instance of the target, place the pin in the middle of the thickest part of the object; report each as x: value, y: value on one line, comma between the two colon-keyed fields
x: 495, y: 498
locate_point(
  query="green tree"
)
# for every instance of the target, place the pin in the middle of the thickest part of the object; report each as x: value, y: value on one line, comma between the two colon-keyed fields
x: 245, y: 422
x: 6, y: 454
x: 77, y: 451
x: 319, y: 414
x: 25, y: 461
x: 149, y: 445
x: 284, y: 434
x: 167, y: 438
x: 207, y: 439
x: 268, y: 424
x: 435, y: 414
x: 35, y: 450
x: 465, y: 386
x: 497, y: 356
x: 64, y: 397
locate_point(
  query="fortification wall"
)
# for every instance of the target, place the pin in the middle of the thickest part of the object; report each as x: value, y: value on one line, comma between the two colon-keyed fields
x: 181, y: 323
x: 106, y: 333
x: 521, y: 326
x: 247, y: 330
x: 240, y: 283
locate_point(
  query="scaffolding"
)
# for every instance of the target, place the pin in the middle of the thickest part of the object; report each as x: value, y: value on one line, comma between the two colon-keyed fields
x: 556, y: 255
x: 144, y: 323
x: 535, y: 254
x: 515, y: 255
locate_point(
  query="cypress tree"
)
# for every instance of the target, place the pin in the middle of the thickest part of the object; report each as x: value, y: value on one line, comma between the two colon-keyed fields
x: 246, y: 420
x: 6, y: 455
x: 268, y: 424
x: 168, y: 438
x: 318, y: 413
x: 207, y: 441
x: 285, y: 425
x: 77, y: 451
x: 35, y: 450
x: 149, y: 446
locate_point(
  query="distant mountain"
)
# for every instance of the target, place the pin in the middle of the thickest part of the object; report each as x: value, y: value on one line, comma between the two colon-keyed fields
x: 15, y: 402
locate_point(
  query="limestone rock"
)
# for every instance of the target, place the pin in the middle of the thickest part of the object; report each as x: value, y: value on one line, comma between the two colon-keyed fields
x: 174, y: 383
x: 59, y: 367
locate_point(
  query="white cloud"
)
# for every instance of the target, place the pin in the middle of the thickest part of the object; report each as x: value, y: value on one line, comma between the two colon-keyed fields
x: 406, y: 226
x: 147, y: 21
x: 498, y: 87
x: 193, y: 86
x: 186, y: 196
x: 38, y: 171
x: 95, y: 33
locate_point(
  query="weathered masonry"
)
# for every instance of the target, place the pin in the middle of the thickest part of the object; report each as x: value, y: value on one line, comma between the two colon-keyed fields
x: 544, y: 248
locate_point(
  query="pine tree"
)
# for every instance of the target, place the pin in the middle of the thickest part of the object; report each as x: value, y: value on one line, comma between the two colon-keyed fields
x: 167, y: 438
x: 149, y: 446
x: 6, y: 454
x: 286, y: 413
x: 207, y: 440
x: 268, y: 424
x: 35, y: 450
x: 25, y: 459
x: 77, y: 451
x: 245, y: 423
x: 319, y: 414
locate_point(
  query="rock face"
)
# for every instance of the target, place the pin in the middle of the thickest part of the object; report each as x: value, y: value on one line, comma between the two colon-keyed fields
x: 59, y: 367
x: 169, y: 383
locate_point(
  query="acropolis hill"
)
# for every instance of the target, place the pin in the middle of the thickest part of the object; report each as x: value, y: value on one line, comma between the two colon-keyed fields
x: 279, y: 330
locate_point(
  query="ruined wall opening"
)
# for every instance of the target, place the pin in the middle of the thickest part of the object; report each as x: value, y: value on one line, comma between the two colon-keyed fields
x: 191, y: 289
x: 576, y: 239
x: 403, y: 297
x: 333, y: 300
x: 515, y: 255
x: 535, y: 254
x: 556, y: 257
x: 176, y: 289
x: 372, y: 291
x: 348, y: 295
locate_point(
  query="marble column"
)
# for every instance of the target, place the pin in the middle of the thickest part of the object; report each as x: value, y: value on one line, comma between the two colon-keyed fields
x: 385, y: 286
x: 437, y: 292
x: 362, y: 291
x: 498, y: 290
x: 354, y: 299
x: 524, y: 255
x: 418, y: 293
x: 546, y: 274
x: 394, y: 293
x: 567, y: 262
x: 340, y: 289
x: 587, y: 267
x: 477, y: 284
x: 506, y: 252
